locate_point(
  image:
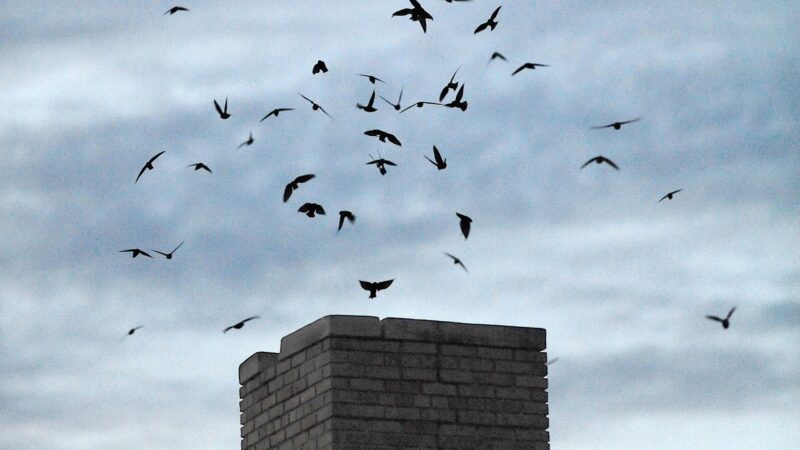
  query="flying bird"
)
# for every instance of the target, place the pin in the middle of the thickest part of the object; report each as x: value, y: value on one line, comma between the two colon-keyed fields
x: 131, y: 331
x: 372, y: 78
x: 239, y: 325
x: 457, y: 103
x: 489, y: 23
x: 531, y: 66
x: 319, y: 67
x: 315, y: 106
x: 345, y: 215
x: 380, y: 163
x: 420, y: 105
x: 452, y: 84
x: 199, y: 166
x: 369, y: 108
x: 148, y: 165
x: 496, y: 55
x: 600, y: 160
x: 373, y: 288
x: 247, y: 143
x: 669, y: 196
x: 617, y: 125
x: 294, y: 184
x: 416, y: 14
x: 223, y: 112
x: 726, y: 322
x: 464, y: 223
x: 175, y: 9
x: 383, y: 136
x: 395, y: 106
x: 168, y: 255
x: 136, y: 252
x: 310, y: 209
x: 275, y: 113
x: 440, y: 163
x: 457, y: 261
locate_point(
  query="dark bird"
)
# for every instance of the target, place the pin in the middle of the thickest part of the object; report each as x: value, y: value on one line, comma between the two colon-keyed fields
x: 315, y: 106
x: 497, y: 55
x: 319, y: 67
x: 669, y: 196
x: 420, y: 105
x: 531, y: 66
x: 726, y: 322
x: 617, y: 125
x: 383, y: 136
x: 489, y: 23
x: 440, y: 163
x: 395, y: 106
x: 380, y: 163
x: 599, y: 160
x: 148, y: 165
x: 457, y: 103
x: 168, y: 255
x: 131, y: 331
x: 294, y: 184
x: 372, y: 78
x: 369, y: 108
x: 136, y: 252
x: 345, y: 215
x: 247, y: 143
x: 464, y: 222
x: 175, y: 9
x: 373, y: 288
x: 452, y: 84
x: 457, y: 261
x: 416, y: 14
x: 310, y: 209
x: 223, y: 112
x: 199, y: 166
x: 239, y: 325
x: 275, y: 113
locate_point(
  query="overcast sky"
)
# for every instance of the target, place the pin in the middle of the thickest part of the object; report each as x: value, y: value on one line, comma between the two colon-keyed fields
x: 92, y: 90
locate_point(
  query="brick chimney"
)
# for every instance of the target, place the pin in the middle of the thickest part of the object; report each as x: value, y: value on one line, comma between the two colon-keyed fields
x: 357, y: 382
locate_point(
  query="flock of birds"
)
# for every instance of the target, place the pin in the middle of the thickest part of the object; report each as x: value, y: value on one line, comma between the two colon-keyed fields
x: 416, y: 13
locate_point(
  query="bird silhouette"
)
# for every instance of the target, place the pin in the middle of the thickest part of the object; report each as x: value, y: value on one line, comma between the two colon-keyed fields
x: 384, y: 136
x: 397, y: 105
x: 440, y: 163
x: 345, y: 215
x: 136, y: 252
x: 420, y: 105
x: 310, y: 209
x: 599, y: 160
x: 247, y: 143
x: 457, y: 103
x: 617, y: 125
x: 529, y: 65
x: 369, y: 107
x: 465, y: 222
x: 175, y: 9
x: 457, y: 261
x: 380, y: 163
x: 168, y: 255
x: 726, y: 322
x: 489, y: 23
x: 199, y: 166
x: 452, y: 84
x: 373, y: 288
x: 294, y: 184
x: 315, y: 106
x: 131, y: 331
x: 496, y: 55
x: 372, y: 78
x: 669, y: 195
x: 148, y: 165
x: 239, y: 325
x: 275, y: 113
x: 416, y: 14
x: 319, y: 67
x: 223, y: 112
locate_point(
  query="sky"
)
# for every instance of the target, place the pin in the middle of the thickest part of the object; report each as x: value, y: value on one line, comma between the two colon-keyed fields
x: 620, y: 281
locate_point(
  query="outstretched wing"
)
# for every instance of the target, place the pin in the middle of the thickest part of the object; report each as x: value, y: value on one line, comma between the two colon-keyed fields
x: 383, y: 285
x: 287, y: 192
x: 730, y: 313
x: 305, y: 208
x: 520, y: 69
x: 373, y: 132
x: 714, y: 318
x: 216, y: 106
x: 588, y: 162
x: 366, y: 285
x: 393, y: 139
x: 437, y: 156
x: 494, y: 14
x: 304, y: 178
x: 610, y: 163
x: 481, y: 27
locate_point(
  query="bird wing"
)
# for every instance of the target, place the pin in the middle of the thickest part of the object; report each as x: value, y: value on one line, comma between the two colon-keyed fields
x: 389, y: 163
x: 305, y: 208
x: 494, y: 14
x: 251, y: 318
x: 631, y: 121
x: 422, y: 21
x: 287, y: 192
x: 675, y: 192
x: 451, y: 256
x: 373, y: 132
x: 444, y: 93
x: 481, y: 27
x: 437, y: 156
x: 408, y: 107
x: 383, y: 285
x: 520, y: 69
x: 307, y: 99
x: 145, y: 254
x: 600, y: 127
x: 401, y: 95
x: 341, y: 220
x: 179, y: 246
x: 432, y: 162
x: 304, y: 178
x: 216, y: 106
x: 588, y: 162
x: 403, y: 12
x: 498, y: 55
x: 160, y: 253
x: 393, y: 139
x: 714, y: 318
x: 265, y: 117
x: 371, y: 98
x: 459, y: 94
x: 206, y: 168
x: 610, y: 163
x: 229, y: 328
x: 326, y: 112
x: 730, y: 313
x: 387, y: 101
x: 662, y: 198
x: 140, y: 173
x: 366, y: 285
x: 319, y: 209
x: 464, y: 225
x: 156, y: 156
x: 130, y: 250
